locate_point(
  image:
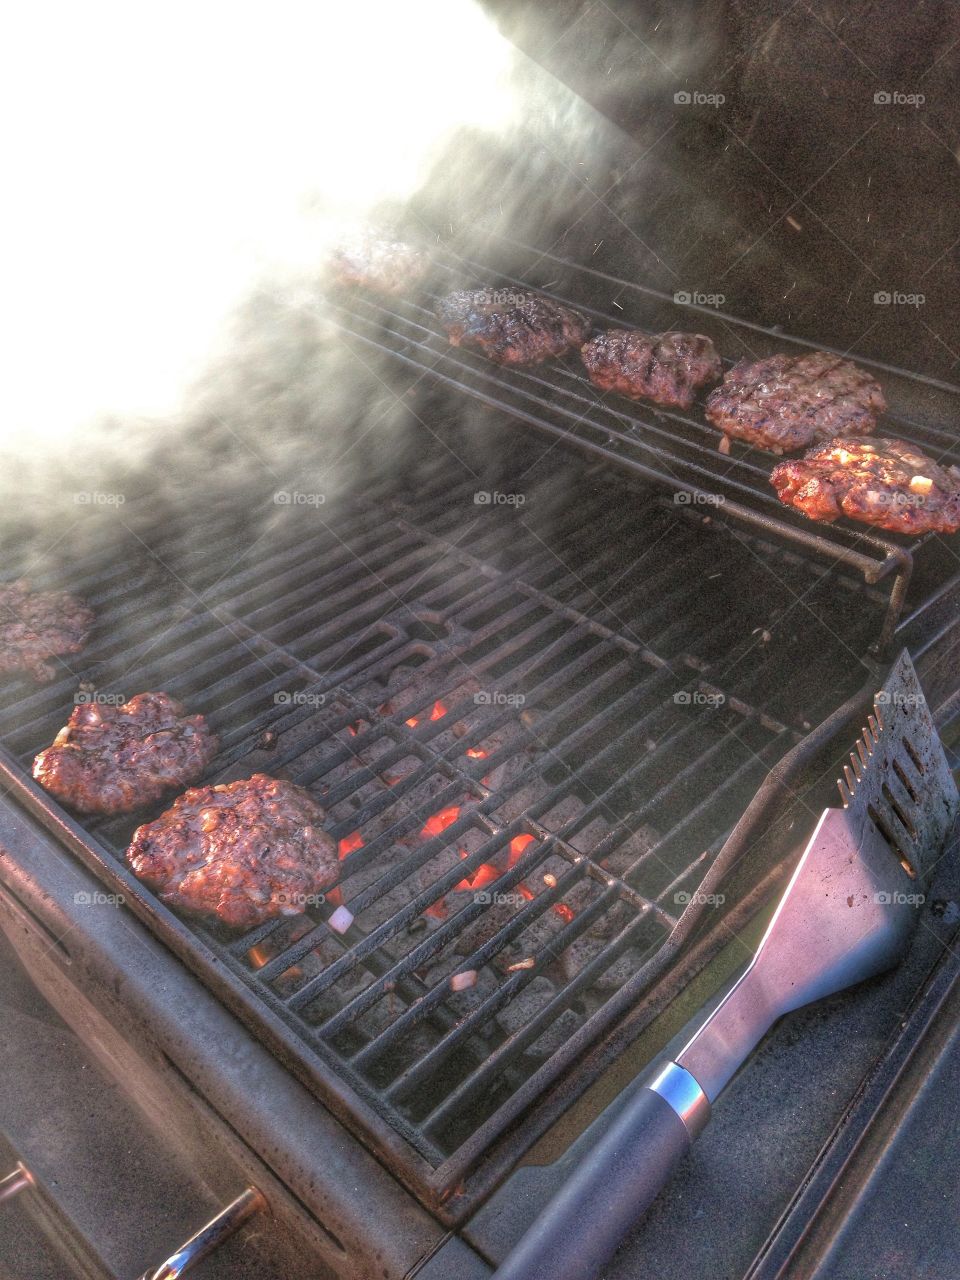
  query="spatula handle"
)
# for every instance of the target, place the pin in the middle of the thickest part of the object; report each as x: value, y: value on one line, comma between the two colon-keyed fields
x: 612, y: 1187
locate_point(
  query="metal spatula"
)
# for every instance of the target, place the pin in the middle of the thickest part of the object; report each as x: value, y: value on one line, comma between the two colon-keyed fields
x: 846, y: 915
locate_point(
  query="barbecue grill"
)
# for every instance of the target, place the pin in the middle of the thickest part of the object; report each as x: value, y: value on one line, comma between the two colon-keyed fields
x: 571, y: 686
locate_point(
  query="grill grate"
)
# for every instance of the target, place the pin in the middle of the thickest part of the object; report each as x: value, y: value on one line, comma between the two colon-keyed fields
x: 380, y: 644
x: 674, y: 450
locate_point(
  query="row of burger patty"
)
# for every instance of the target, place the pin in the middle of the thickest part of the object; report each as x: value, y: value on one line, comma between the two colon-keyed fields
x: 781, y: 403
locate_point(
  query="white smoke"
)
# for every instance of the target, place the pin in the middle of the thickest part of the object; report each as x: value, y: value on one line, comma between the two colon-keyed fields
x: 162, y: 159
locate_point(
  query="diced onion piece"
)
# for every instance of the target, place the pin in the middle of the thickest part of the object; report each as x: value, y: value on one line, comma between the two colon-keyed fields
x: 921, y: 484
x: 463, y: 981
x: 522, y: 964
x: 550, y: 880
x: 341, y: 920
x: 724, y: 445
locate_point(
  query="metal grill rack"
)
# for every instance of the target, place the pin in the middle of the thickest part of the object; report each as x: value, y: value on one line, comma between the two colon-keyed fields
x: 676, y: 452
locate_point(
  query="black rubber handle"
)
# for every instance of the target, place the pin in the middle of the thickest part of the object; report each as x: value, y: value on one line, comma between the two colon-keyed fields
x: 618, y: 1180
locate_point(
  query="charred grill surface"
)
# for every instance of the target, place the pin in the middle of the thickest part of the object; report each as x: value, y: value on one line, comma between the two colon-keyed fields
x: 887, y: 483
x: 787, y: 402
x: 114, y: 759
x: 36, y: 626
x: 510, y: 327
x: 668, y: 369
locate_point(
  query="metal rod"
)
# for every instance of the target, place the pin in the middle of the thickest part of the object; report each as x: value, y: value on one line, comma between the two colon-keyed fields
x: 210, y: 1237
x: 17, y: 1180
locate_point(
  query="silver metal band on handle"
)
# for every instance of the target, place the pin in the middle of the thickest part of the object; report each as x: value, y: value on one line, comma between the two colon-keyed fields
x: 678, y: 1088
x: 16, y: 1181
x: 209, y: 1237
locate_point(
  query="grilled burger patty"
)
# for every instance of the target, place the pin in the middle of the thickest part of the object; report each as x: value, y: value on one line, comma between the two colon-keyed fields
x: 36, y: 625
x: 378, y: 263
x: 667, y: 369
x: 788, y: 402
x: 887, y: 483
x: 511, y: 327
x: 241, y: 852
x: 116, y: 759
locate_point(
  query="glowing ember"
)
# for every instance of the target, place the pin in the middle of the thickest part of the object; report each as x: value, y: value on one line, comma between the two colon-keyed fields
x: 259, y: 956
x: 440, y: 821
x: 563, y: 911
x: 350, y: 843
x: 517, y: 846
x: 485, y: 874
x: 437, y: 712
x: 437, y: 909
x: 334, y: 896
x: 476, y: 753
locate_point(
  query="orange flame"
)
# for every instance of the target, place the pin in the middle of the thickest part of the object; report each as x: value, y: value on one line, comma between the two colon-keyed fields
x: 437, y: 712
x: 517, y: 846
x: 350, y: 843
x: 259, y: 956
x: 476, y: 753
x: 485, y: 874
x: 441, y: 820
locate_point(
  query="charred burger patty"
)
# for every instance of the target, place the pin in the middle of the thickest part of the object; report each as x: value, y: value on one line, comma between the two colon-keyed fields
x: 667, y: 369
x: 378, y: 263
x: 36, y: 625
x: 114, y: 759
x: 788, y: 402
x: 511, y: 327
x: 887, y: 483
x: 241, y: 852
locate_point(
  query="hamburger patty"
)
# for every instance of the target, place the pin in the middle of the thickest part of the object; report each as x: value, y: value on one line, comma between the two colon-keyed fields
x: 788, y: 402
x: 667, y: 369
x: 510, y: 327
x: 887, y: 483
x: 378, y: 263
x: 36, y: 625
x: 241, y: 852
x: 115, y: 759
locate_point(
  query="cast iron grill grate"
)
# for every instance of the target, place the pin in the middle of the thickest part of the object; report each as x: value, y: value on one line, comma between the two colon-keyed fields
x: 624, y: 726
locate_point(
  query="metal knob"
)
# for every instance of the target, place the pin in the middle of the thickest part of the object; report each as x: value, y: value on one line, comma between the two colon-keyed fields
x: 209, y: 1237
